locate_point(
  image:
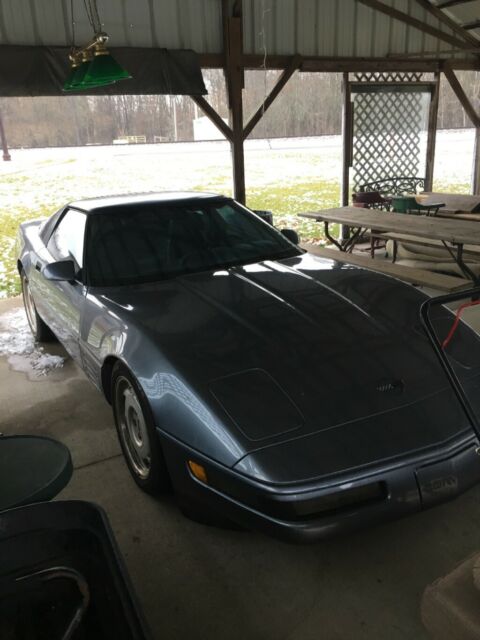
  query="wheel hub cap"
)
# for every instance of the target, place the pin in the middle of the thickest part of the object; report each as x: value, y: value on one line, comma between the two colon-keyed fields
x: 133, y: 428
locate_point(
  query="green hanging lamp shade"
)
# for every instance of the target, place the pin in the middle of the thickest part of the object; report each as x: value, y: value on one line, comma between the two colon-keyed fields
x: 68, y: 84
x: 103, y: 69
x: 79, y: 70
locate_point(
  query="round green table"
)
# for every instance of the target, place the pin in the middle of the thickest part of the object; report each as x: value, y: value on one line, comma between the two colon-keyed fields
x: 32, y: 469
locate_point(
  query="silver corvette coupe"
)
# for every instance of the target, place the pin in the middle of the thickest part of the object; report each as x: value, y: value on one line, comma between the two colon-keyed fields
x: 266, y: 386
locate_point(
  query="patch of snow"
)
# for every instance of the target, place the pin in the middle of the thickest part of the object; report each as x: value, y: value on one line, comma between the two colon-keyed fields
x: 18, y: 344
x: 15, y: 335
x: 44, y: 362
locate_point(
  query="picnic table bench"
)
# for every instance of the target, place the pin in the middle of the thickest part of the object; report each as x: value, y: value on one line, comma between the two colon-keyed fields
x: 419, y: 277
x: 453, y: 234
x: 401, y: 238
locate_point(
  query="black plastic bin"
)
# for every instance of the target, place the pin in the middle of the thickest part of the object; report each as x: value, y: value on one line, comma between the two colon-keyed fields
x: 61, y: 576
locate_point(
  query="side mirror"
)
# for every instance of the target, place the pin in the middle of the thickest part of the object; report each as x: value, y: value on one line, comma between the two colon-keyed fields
x: 63, y: 270
x: 291, y: 235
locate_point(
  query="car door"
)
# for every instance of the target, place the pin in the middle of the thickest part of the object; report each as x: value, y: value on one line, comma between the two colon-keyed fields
x: 63, y: 302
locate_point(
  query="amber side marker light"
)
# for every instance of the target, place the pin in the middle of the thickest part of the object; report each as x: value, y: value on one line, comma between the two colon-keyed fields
x: 198, y: 471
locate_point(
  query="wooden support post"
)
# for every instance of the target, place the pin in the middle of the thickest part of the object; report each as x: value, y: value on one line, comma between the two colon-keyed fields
x: 347, y: 142
x: 347, y: 133
x: 476, y: 164
x: 3, y: 138
x: 234, y: 72
x: 432, y: 134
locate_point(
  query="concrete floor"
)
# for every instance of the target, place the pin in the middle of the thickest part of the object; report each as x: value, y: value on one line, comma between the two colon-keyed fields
x: 197, y: 581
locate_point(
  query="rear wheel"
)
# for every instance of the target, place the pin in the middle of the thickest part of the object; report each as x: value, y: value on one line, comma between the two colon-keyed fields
x: 136, y: 432
x: 39, y: 329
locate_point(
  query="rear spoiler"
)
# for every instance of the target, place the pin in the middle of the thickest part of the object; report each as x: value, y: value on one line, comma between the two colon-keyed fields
x: 474, y: 295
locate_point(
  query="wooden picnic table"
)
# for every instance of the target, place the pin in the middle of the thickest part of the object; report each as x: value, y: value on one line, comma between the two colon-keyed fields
x: 453, y: 234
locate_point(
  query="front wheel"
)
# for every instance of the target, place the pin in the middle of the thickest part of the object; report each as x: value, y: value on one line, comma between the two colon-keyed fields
x: 136, y: 433
x: 39, y: 329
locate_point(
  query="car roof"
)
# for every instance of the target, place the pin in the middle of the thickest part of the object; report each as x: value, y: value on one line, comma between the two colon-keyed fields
x: 97, y: 205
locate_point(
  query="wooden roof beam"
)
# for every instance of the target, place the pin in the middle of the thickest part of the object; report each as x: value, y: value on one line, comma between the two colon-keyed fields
x: 452, y: 3
x: 473, y: 24
x: 414, y: 22
x: 393, y: 62
x: 443, y: 17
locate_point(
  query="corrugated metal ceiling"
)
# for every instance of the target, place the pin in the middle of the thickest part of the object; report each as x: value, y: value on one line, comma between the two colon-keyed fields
x: 337, y: 28
x: 172, y: 24
x: 309, y: 27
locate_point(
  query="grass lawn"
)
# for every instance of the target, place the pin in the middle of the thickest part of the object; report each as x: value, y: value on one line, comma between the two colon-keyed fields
x: 286, y: 178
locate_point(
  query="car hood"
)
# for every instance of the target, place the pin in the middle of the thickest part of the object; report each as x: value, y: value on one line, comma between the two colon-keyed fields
x: 281, y: 351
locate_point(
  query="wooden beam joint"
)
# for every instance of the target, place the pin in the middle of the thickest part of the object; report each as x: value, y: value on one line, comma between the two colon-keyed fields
x: 213, y: 116
x: 462, y: 96
x: 294, y: 64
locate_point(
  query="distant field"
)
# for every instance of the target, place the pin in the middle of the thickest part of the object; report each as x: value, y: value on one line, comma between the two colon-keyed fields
x: 284, y: 176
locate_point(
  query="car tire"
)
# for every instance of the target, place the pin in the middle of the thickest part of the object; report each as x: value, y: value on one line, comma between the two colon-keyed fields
x: 41, y: 332
x: 136, y: 433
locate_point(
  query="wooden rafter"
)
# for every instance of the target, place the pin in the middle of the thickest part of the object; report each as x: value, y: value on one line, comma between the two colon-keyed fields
x: 281, y: 82
x: 462, y: 96
x: 462, y: 65
x: 213, y: 116
x: 394, y: 62
x: 426, y: 54
x: 473, y: 24
x: 414, y: 22
x: 321, y: 63
x: 452, y: 3
x: 438, y: 13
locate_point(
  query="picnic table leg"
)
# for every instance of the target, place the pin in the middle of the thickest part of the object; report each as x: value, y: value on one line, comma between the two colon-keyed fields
x: 349, y: 244
x: 458, y: 257
x: 466, y: 270
x: 395, y: 251
x: 339, y: 245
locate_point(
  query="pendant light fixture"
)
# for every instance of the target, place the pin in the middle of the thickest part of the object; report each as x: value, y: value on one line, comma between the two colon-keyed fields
x: 92, y: 65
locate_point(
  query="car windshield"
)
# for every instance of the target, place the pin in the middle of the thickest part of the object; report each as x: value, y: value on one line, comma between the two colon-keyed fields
x: 149, y: 242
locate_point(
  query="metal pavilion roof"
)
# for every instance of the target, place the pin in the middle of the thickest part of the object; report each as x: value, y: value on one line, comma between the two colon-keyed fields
x: 331, y: 28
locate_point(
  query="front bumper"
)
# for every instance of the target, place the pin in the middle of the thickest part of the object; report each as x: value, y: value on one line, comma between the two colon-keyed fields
x: 311, y: 511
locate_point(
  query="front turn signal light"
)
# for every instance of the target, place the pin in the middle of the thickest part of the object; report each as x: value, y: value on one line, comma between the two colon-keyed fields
x: 198, y: 471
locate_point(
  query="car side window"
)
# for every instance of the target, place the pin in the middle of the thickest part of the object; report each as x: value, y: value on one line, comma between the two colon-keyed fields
x: 67, y: 239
